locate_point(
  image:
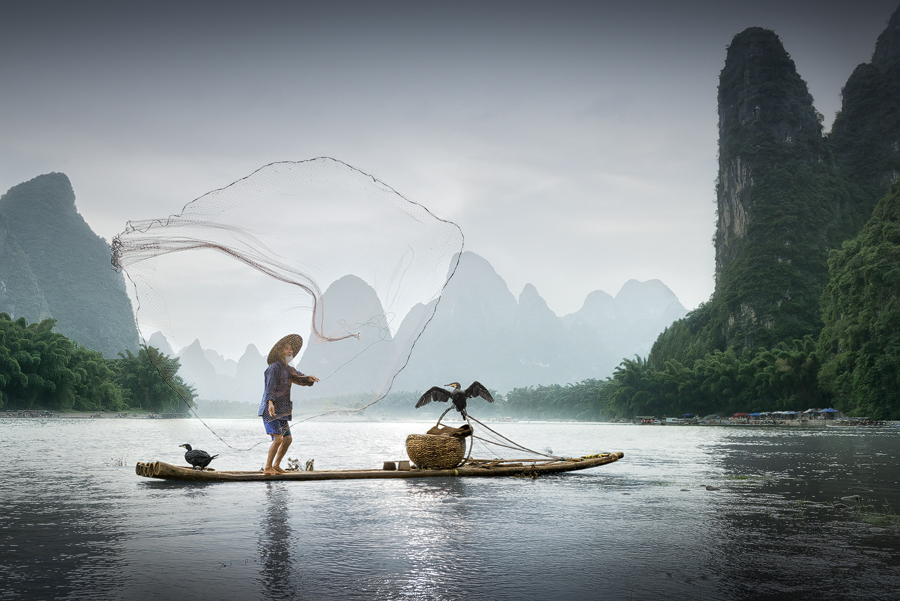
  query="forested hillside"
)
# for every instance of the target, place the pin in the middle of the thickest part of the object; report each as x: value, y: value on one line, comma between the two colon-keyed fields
x: 860, y: 344
x: 787, y: 197
x: 54, y: 265
x: 20, y: 293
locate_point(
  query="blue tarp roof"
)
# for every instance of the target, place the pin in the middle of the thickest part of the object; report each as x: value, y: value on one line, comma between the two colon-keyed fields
x: 829, y: 410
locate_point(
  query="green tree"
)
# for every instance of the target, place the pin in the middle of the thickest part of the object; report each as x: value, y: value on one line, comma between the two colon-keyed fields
x: 637, y: 389
x: 35, y: 365
x: 42, y: 369
x: 579, y: 401
x: 860, y: 343
x: 786, y: 377
x: 95, y: 382
x: 150, y: 381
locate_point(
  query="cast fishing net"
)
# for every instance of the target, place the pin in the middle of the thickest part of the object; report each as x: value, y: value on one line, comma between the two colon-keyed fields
x: 314, y: 247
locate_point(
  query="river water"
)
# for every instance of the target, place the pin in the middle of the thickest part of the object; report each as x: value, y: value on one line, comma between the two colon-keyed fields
x: 689, y: 513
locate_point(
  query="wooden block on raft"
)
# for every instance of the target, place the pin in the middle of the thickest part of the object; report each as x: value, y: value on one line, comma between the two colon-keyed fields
x: 389, y: 465
x: 403, y: 466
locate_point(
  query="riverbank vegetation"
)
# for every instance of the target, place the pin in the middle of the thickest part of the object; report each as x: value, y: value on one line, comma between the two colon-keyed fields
x: 42, y: 369
x: 579, y: 401
x: 853, y: 362
x: 804, y: 313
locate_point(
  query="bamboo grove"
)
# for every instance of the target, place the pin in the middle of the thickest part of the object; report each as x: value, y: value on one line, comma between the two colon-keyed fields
x: 42, y: 369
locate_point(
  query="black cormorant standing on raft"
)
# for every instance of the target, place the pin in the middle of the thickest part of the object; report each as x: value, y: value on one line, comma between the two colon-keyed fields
x: 457, y: 395
x: 196, y: 457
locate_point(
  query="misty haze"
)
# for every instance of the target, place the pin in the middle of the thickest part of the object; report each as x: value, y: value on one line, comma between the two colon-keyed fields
x: 507, y: 300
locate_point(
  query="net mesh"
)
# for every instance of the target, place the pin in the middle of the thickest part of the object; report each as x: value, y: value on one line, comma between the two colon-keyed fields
x: 240, y: 267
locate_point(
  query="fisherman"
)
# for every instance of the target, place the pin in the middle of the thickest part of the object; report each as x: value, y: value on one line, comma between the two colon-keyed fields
x: 276, y: 406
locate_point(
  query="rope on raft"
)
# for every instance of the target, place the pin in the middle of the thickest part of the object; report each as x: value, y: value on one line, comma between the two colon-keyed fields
x: 515, y: 445
x: 471, y: 442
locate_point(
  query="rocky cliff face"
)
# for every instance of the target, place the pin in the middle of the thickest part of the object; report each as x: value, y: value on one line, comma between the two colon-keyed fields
x: 20, y: 294
x: 773, y: 211
x: 764, y: 108
x: 887, y: 48
x: 69, y: 266
x: 866, y: 133
x: 786, y: 194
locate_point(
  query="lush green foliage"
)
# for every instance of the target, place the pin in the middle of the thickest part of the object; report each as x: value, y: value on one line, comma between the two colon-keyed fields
x: 42, y: 369
x: 579, y: 401
x: 799, y: 195
x: 856, y: 358
x: 151, y: 382
x: 723, y: 382
x: 864, y: 136
x: 688, y: 339
x: 861, y: 308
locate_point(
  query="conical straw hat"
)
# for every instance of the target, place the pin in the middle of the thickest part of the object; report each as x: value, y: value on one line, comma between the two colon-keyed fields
x: 296, y: 342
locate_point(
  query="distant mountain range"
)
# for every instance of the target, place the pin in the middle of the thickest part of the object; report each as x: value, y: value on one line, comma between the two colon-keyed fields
x: 53, y: 265
x: 480, y: 331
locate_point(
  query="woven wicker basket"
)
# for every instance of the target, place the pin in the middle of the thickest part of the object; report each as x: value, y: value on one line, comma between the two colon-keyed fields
x: 430, y: 452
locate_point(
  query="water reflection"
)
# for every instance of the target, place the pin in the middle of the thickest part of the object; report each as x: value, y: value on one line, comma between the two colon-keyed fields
x: 275, y: 536
x: 782, y: 531
x: 645, y: 527
x: 52, y: 547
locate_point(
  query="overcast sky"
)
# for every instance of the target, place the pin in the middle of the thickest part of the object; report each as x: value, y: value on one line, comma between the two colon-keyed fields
x: 573, y: 142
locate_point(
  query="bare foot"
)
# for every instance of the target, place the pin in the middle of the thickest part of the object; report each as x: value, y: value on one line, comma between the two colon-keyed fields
x: 278, y: 469
x: 270, y: 471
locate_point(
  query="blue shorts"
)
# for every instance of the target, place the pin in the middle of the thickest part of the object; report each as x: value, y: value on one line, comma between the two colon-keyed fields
x: 277, y: 426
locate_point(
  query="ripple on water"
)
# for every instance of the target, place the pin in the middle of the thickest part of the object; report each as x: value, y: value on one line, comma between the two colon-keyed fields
x: 713, y: 513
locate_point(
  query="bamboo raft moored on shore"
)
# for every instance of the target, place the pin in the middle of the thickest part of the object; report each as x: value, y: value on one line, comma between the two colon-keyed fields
x: 472, y: 468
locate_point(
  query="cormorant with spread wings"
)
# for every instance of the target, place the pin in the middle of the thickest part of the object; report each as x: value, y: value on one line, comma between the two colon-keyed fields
x: 457, y: 395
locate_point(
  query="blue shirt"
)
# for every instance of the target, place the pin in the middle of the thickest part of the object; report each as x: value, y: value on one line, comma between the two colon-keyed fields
x: 279, y: 377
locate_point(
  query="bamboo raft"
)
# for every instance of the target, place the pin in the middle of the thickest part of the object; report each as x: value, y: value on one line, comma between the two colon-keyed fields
x: 472, y: 468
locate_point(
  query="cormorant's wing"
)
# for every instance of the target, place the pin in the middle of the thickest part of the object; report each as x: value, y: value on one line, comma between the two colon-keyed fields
x: 435, y: 393
x: 477, y: 389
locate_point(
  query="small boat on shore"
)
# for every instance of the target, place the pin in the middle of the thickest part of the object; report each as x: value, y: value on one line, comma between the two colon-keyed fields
x: 472, y: 468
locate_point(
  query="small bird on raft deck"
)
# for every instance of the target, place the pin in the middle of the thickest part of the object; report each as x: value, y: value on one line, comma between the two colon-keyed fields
x: 196, y: 457
x: 457, y: 395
